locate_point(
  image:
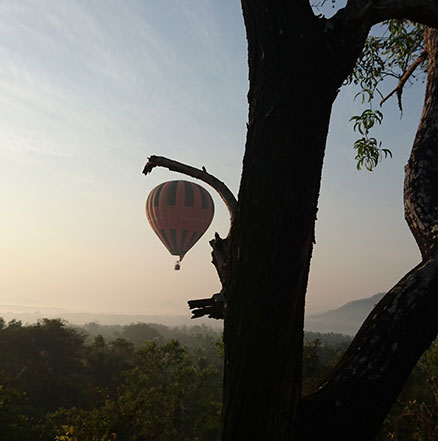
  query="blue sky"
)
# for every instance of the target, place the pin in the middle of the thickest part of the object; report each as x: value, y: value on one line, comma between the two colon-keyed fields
x: 90, y: 89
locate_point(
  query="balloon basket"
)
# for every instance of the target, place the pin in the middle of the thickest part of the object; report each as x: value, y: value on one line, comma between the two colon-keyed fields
x: 177, y: 266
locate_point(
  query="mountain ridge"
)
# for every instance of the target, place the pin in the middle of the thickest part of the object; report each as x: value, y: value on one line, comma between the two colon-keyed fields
x: 343, y: 320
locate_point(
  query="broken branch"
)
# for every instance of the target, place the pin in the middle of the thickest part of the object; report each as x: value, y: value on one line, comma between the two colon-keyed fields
x: 213, y: 307
x: 223, y: 191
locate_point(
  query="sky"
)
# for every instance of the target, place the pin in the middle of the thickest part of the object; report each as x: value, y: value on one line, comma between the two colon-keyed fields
x: 89, y: 89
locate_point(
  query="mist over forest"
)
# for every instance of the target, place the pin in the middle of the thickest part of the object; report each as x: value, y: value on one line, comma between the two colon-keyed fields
x: 343, y: 320
x: 140, y: 381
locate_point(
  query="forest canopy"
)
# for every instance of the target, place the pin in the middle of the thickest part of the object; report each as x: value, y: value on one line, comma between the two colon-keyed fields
x: 59, y: 382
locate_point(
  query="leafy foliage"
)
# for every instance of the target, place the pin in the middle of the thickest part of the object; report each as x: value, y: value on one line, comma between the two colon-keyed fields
x: 318, y: 360
x: 55, y: 386
x: 165, y: 396
x: 414, y: 417
x: 386, y: 56
x: 49, y: 351
x: 160, y: 390
x: 14, y: 423
x: 368, y: 151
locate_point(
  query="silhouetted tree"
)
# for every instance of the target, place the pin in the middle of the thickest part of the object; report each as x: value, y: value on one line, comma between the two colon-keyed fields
x: 44, y: 361
x: 297, y: 62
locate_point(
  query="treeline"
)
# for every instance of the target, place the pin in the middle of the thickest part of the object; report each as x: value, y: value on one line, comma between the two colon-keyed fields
x: 56, y: 384
x: 151, y: 382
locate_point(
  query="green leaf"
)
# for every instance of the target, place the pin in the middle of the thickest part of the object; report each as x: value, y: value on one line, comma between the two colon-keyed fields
x: 385, y: 58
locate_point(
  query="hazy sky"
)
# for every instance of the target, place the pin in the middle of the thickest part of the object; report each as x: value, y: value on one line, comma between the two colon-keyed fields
x: 89, y: 89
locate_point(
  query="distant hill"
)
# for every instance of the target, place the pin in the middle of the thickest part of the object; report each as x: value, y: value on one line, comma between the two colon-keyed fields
x: 21, y: 309
x: 344, y: 320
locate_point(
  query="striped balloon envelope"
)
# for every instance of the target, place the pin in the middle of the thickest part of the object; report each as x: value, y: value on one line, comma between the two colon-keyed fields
x: 179, y: 212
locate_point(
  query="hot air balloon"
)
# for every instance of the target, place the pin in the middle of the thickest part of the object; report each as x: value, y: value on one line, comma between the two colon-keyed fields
x: 179, y: 212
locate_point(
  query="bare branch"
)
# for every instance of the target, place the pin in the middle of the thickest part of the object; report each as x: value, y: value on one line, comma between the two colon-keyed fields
x: 214, y: 306
x: 224, y: 192
x: 420, y: 11
x: 399, y: 89
x: 363, y: 14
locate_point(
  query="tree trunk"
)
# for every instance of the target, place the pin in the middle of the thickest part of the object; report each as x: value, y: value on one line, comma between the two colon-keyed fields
x: 290, y: 99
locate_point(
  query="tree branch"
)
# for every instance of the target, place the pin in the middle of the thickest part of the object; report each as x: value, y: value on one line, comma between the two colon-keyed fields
x: 420, y: 11
x: 363, y: 14
x: 403, y: 79
x: 223, y: 191
x: 421, y: 179
x: 214, y: 306
x: 370, y: 375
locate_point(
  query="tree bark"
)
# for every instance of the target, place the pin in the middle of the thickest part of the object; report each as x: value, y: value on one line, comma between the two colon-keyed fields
x: 295, y: 70
x: 421, y: 182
